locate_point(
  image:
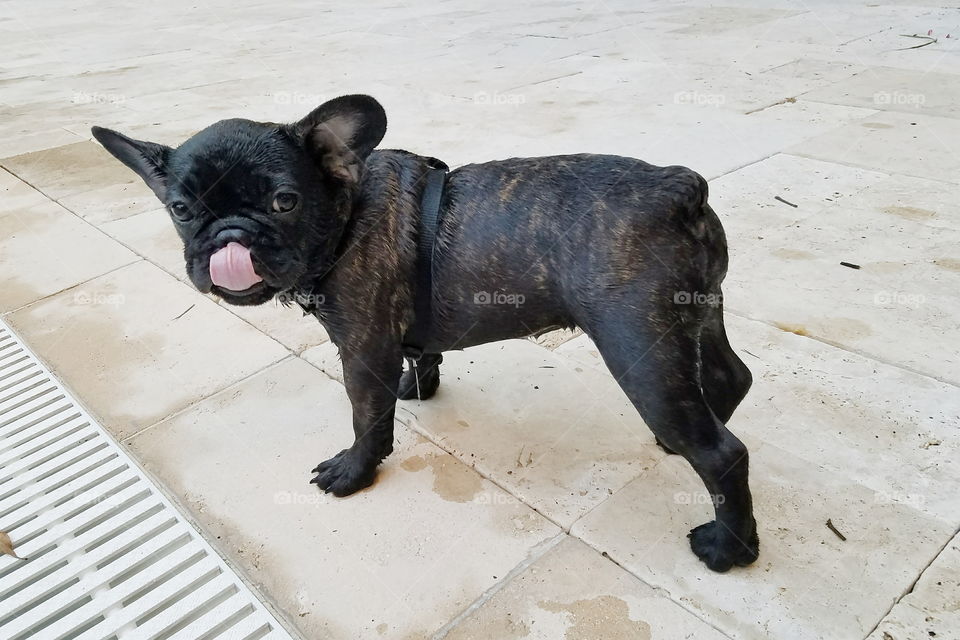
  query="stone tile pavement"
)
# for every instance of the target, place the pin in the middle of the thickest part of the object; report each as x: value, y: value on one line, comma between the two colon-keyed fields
x: 528, y: 500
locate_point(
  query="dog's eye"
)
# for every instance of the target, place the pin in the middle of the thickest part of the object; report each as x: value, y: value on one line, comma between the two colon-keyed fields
x: 284, y: 202
x: 180, y: 211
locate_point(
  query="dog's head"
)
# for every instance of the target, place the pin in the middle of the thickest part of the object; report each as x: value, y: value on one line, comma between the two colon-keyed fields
x: 259, y: 205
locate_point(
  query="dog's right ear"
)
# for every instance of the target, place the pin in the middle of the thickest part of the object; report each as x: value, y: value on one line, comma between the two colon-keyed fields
x: 148, y: 159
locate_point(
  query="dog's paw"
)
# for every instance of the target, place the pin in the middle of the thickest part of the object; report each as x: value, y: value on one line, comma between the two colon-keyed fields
x: 720, y: 549
x: 345, y: 473
x: 665, y: 448
x: 429, y: 382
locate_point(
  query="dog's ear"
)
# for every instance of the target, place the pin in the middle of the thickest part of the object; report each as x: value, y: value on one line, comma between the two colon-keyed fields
x: 148, y: 159
x: 341, y: 134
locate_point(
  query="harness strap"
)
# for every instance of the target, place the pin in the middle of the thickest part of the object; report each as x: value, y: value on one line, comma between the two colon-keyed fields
x: 419, y: 332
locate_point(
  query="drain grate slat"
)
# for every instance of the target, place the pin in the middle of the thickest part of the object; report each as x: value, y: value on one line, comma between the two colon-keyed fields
x: 25, y: 459
x: 47, y: 528
x: 233, y: 608
x: 79, y: 565
x: 50, y: 411
x: 246, y: 628
x: 27, y: 407
x: 40, y: 485
x: 16, y: 386
x: 46, y: 563
x: 88, y: 583
x: 13, y: 381
x: 188, y: 612
x: 31, y: 396
x: 11, y: 353
x: 26, y: 474
x: 157, y: 601
x: 108, y: 557
x: 39, y: 437
x: 24, y: 432
x: 58, y: 502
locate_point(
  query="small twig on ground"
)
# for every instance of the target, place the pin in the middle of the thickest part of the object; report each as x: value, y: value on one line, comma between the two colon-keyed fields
x: 185, y: 312
x: 850, y: 264
x: 929, y: 40
x: 784, y: 201
x: 834, y: 529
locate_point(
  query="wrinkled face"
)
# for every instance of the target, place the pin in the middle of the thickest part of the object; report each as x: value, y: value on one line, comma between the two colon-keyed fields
x: 259, y: 205
x: 250, y: 205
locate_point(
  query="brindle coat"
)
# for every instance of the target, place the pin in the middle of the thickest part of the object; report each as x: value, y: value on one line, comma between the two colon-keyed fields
x: 621, y: 248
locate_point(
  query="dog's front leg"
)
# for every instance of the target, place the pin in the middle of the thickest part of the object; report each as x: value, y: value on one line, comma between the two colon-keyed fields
x: 371, y: 377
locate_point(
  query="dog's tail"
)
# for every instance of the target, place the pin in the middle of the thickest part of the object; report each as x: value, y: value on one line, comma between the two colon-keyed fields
x: 700, y: 221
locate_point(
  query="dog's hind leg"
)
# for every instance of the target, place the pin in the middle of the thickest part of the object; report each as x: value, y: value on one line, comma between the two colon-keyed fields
x: 725, y: 378
x: 659, y: 372
x: 422, y: 377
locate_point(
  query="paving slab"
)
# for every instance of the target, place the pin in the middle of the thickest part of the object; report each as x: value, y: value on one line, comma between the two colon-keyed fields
x: 881, y: 426
x: 885, y: 428
x: 37, y: 140
x: 930, y: 202
x: 561, y: 437
x: 136, y: 345
x: 746, y: 201
x: 807, y: 583
x: 70, y: 169
x: 822, y: 23
x: 932, y: 608
x: 47, y: 249
x: 286, y: 325
x: 890, y: 46
x: 326, y: 358
x: 911, y: 144
x: 574, y: 592
x: 15, y: 194
x: 895, y: 307
x: 750, y: 78
x: 891, y: 89
x: 397, y: 560
x: 672, y: 128
x: 151, y: 234
x: 710, y: 20
x: 112, y: 202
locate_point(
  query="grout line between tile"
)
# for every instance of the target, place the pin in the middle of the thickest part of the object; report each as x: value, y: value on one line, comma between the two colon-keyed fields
x: 841, y: 347
x: 913, y: 584
x: 535, y: 554
x: 742, y: 166
x: 413, y: 425
x: 810, y: 156
x: 188, y: 407
x: 663, y: 592
x: 74, y: 286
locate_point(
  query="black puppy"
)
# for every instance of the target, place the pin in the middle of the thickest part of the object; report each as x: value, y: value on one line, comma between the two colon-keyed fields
x: 629, y: 252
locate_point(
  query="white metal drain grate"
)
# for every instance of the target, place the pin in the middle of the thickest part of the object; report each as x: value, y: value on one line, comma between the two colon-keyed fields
x: 108, y: 557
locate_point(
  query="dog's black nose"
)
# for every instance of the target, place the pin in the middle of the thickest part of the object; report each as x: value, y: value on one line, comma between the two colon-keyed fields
x: 232, y: 234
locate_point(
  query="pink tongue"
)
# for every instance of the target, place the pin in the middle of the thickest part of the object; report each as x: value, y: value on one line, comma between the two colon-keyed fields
x: 231, y: 268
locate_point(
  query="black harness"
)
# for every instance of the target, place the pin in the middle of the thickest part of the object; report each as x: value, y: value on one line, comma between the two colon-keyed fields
x: 418, y: 333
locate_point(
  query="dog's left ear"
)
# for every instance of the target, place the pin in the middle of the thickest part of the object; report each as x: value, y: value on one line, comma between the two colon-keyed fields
x: 341, y: 134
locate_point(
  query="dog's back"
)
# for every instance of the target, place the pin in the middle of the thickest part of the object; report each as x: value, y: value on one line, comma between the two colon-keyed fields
x: 539, y: 240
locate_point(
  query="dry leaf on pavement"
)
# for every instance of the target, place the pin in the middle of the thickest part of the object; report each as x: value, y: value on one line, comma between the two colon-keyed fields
x: 6, y: 545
